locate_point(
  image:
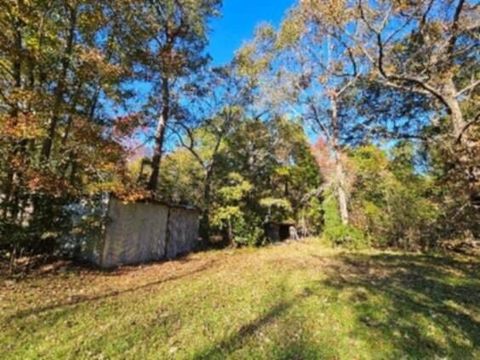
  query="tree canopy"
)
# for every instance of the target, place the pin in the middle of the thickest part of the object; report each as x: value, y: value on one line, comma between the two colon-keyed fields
x: 355, y: 119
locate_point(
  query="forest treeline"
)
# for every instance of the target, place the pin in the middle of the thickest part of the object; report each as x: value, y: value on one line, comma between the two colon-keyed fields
x: 358, y: 120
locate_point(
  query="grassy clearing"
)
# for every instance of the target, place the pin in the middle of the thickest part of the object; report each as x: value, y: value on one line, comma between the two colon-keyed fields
x: 295, y: 301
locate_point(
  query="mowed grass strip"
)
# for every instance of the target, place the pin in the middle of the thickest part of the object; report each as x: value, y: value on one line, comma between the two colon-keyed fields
x: 299, y: 300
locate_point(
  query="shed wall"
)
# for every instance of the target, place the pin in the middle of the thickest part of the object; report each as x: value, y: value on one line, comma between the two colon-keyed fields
x: 182, y: 232
x: 135, y: 233
x: 142, y: 232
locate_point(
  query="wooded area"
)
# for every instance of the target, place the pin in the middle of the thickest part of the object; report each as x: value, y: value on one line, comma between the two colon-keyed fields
x: 355, y: 120
x: 328, y: 175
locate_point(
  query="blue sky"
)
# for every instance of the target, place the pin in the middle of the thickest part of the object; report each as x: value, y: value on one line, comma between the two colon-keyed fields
x: 237, y: 23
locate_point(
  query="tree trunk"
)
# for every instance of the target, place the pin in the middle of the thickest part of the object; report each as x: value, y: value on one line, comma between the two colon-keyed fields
x: 462, y: 141
x: 340, y: 180
x: 341, y: 191
x: 206, y: 204
x: 9, y: 205
x: 160, y: 136
x: 458, y: 121
x: 206, y: 213
x: 60, y: 90
x: 230, y: 232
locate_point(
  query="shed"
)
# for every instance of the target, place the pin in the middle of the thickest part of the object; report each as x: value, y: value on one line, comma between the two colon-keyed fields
x: 140, y: 232
x: 279, y: 231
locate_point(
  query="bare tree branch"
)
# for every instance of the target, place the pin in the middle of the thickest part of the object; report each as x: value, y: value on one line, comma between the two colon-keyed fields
x: 468, y: 88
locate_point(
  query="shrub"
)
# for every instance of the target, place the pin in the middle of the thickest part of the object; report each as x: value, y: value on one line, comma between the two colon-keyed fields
x: 335, y: 231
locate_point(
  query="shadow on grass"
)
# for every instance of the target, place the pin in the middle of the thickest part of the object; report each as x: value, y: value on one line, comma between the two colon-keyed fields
x: 88, y: 299
x: 420, y: 307
x: 237, y: 340
x: 431, y: 305
x: 292, y: 345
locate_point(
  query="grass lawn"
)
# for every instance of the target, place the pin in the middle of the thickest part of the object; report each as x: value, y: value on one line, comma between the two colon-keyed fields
x: 294, y: 301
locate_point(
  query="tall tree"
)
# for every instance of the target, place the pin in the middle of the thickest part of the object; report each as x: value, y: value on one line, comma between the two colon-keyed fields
x: 217, y: 101
x: 60, y: 73
x: 431, y: 49
x: 168, y: 40
x: 419, y: 47
x: 312, y: 65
